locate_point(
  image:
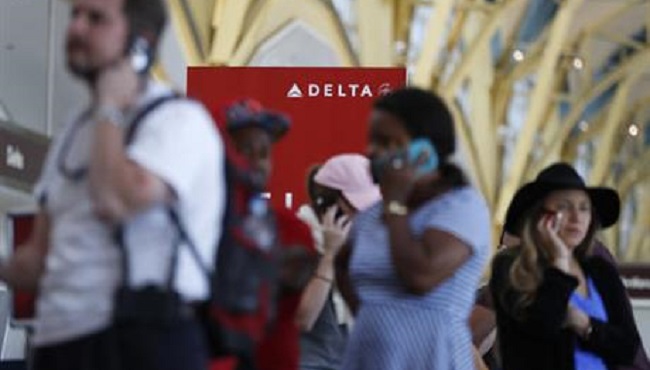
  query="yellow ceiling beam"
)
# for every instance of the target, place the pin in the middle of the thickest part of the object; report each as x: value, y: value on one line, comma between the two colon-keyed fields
x: 644, y: 246
x: 537, y: 160
x: 474, y: 55
x: 477, y: 5
x: 217, y: 13
x: 403, y: 16
x: 637, y: 61
x: 466, y: 144
x: 376, y: 32
x: 507, y: 79
x: 647, y: 25
x: 404, y: 10
x: 455, y: 33
x: 595, y: 127
x: 483, y: 135
x: 593, y: 130
x: 510, y: 31
x: 540, y: 97
x: 640, y: 230
x: 619, y: 39
x: 200, y: 14
x: 182, y: 25
x: 432, y: 43
x: 635, y: 172
x: 537, y: 50
x: 229, y: 16
x: 621, y: 7
x: 611, y: 130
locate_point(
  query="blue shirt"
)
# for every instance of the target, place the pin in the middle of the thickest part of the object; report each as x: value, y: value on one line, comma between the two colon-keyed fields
x: 593, y: 306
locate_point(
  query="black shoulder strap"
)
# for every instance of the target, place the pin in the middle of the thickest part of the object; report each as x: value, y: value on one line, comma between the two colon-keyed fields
x: 184, y: 236
x: 131, y: 130
x: 136, y: 122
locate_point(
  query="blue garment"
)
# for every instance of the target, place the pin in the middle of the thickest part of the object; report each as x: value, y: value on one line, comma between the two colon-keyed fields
x: 396, y: 330
x: 593, y: 306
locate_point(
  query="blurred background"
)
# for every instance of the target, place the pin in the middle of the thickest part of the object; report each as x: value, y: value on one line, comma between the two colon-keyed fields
x: 530, y: 81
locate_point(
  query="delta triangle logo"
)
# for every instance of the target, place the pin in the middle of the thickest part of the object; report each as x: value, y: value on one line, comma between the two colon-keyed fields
x: 294, y: 92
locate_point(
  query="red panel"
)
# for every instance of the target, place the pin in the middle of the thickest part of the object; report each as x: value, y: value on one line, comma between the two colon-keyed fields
x: 23, y: 302
x: 330, y: 116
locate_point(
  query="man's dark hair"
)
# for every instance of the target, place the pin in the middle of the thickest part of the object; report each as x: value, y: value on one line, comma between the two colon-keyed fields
x: 146, y: 18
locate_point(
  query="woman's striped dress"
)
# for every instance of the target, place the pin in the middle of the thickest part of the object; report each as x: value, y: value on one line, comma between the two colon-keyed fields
x: 399, y: 331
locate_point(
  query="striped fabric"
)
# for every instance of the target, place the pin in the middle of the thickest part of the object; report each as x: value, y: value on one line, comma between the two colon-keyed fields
x: 399, y: 331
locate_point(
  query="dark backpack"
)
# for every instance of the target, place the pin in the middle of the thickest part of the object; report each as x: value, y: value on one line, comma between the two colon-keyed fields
x: 244, y: 300
x: 244, y: 286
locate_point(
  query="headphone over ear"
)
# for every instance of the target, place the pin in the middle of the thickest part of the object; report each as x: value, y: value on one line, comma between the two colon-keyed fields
x: 140, y: 53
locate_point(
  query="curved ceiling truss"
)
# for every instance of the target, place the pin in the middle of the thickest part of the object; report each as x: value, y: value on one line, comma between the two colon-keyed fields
x: 530, y: 81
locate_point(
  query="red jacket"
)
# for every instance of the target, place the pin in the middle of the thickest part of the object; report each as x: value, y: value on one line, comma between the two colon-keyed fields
x: 280, y: 348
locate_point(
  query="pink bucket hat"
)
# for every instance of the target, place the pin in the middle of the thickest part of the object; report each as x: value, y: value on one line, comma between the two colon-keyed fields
x: 350, y: 173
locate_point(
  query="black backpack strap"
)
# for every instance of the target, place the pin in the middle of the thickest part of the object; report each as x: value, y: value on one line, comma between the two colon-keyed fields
x: 184, y: 236
x: 136, y: 121
x: 118, y: 233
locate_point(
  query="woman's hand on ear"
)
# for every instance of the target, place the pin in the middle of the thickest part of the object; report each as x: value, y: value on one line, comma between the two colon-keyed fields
x: 335, y: 231
x: 549, y: 227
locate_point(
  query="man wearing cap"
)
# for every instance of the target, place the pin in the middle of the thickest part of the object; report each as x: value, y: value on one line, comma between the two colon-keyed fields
x: 558, y: 305
x: 254, y: 130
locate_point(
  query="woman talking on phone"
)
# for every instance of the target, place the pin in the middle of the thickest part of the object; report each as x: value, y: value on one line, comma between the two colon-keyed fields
x: 415, y: 258
x: 558, y: 306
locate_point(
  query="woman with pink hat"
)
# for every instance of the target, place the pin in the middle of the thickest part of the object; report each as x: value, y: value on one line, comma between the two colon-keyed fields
x: 338, y: 190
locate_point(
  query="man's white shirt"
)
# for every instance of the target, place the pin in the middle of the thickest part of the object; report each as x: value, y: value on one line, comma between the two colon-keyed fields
x: 179, y: 143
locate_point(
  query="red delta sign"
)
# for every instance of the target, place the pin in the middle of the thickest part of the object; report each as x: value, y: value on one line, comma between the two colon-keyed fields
x: 329, y: 108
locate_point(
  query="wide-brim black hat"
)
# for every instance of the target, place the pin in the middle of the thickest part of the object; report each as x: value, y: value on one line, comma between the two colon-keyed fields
x: 251, y: 113
x: 561, y: 176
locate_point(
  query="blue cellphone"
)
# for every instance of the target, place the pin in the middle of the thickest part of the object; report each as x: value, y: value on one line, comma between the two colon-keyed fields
x: 420, y: 153
x: 423, y: 155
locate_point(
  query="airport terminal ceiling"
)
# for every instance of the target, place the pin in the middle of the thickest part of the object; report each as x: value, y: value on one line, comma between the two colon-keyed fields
x: 529, y: 81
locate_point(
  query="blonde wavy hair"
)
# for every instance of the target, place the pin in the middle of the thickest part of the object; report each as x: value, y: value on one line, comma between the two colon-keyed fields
x: 527, y: 271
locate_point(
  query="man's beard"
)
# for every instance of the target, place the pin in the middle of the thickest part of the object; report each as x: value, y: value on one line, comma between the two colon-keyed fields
x: 86, y: 73
x: 83, y: 69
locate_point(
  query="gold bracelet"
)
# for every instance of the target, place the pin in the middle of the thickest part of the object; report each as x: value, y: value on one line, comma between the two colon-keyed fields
x: 323, y: 278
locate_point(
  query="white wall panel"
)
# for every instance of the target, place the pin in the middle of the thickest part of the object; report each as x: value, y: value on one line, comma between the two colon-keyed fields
x: 24, y: 26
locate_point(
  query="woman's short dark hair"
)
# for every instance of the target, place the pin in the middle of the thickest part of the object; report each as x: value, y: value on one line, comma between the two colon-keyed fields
x: 423, y: 115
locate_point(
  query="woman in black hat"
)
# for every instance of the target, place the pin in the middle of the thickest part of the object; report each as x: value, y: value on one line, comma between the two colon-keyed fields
x: 558, y: 306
